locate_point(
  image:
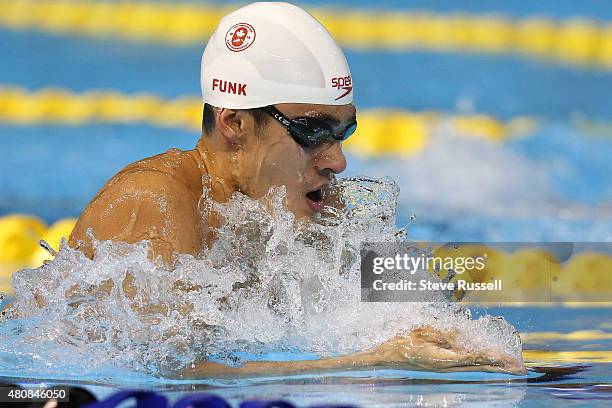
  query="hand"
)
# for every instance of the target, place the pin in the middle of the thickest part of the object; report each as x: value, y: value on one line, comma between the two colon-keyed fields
x: 430, y: 349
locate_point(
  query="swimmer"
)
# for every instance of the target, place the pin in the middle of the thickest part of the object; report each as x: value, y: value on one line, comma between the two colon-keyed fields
x: 278, y: 99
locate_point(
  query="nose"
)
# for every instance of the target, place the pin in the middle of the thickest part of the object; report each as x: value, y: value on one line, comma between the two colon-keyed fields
x: 331, y: 158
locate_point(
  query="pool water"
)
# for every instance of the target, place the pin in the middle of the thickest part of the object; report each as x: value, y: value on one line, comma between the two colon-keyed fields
x: 574, y: 375
x: 84, y: 332
x: 548, y: 183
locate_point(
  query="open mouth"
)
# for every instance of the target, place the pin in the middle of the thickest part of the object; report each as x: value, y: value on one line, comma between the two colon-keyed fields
x: 315, y: 200
x: 316, y: 195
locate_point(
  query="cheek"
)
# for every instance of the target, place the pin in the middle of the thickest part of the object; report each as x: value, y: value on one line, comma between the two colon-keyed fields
x: 284, y: 164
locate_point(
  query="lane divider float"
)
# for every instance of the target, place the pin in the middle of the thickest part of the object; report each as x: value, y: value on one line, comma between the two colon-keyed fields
x: 385, y: 132
x: 521, y: 270
x: 579, y: 41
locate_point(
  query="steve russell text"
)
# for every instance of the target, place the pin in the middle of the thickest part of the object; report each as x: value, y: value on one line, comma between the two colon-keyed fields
x: 424, y: 284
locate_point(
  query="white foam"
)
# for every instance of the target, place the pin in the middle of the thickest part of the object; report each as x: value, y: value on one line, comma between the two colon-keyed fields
x: 265, y: 285
x: 457, y: 175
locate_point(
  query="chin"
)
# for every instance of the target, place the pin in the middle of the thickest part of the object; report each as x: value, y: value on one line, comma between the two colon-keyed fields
x: 301, y: 213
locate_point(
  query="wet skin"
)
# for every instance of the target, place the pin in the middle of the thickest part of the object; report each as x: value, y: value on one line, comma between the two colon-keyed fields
x: 160, y: 199
x: 422, y: 349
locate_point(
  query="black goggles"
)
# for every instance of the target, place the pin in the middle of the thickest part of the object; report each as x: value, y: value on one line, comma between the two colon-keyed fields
x: 310, y: 132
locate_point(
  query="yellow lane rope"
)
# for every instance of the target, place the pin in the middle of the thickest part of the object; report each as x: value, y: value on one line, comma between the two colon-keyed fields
x: 566, y: 356
x: 579, y: 41
x: 581, y: 356
x: 388, y: 132
x: 555, y: 303
x: 20, y: 235
x: 578, y: 335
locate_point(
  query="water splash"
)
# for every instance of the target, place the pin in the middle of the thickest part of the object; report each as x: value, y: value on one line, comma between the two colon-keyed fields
x: 267, y: 284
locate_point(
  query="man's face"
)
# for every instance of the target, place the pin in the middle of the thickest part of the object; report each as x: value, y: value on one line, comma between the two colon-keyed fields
x: 276, y: 159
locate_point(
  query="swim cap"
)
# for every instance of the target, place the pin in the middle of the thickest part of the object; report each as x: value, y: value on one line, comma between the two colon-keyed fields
x: 267, y: 53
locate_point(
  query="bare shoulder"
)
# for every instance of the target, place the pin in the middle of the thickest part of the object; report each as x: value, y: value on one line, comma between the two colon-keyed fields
x: 174, y: 168
x: 155, y: 199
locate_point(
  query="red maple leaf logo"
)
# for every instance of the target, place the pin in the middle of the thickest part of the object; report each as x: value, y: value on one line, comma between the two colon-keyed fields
x: 239, y: 37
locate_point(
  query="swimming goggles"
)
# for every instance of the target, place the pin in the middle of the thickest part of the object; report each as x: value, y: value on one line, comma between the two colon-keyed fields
x: 310, y: 132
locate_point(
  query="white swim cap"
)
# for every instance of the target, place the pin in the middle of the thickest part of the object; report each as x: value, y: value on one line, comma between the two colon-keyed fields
x: 267, y: 53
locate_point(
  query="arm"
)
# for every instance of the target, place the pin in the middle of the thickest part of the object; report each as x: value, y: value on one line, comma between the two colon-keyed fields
x: 423, y: 349
x: 143, y: 205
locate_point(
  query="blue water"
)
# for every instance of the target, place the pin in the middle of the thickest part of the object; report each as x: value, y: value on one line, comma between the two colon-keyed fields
x: 580, y: 384
x: 513, y: 8
x: 553, y: 185
x: 38, y: 177
x: 501, y: 85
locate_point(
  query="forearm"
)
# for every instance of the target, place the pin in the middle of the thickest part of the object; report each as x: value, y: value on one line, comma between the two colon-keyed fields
x: 421, y: 349
x: 262, y: 368
x: 356, y: 361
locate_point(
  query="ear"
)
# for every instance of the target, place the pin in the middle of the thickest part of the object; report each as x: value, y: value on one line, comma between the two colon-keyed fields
x: 233, y: 125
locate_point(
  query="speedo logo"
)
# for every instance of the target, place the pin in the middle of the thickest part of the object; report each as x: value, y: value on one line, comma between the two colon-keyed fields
x: 229, y: 87
x: 345, y: 83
